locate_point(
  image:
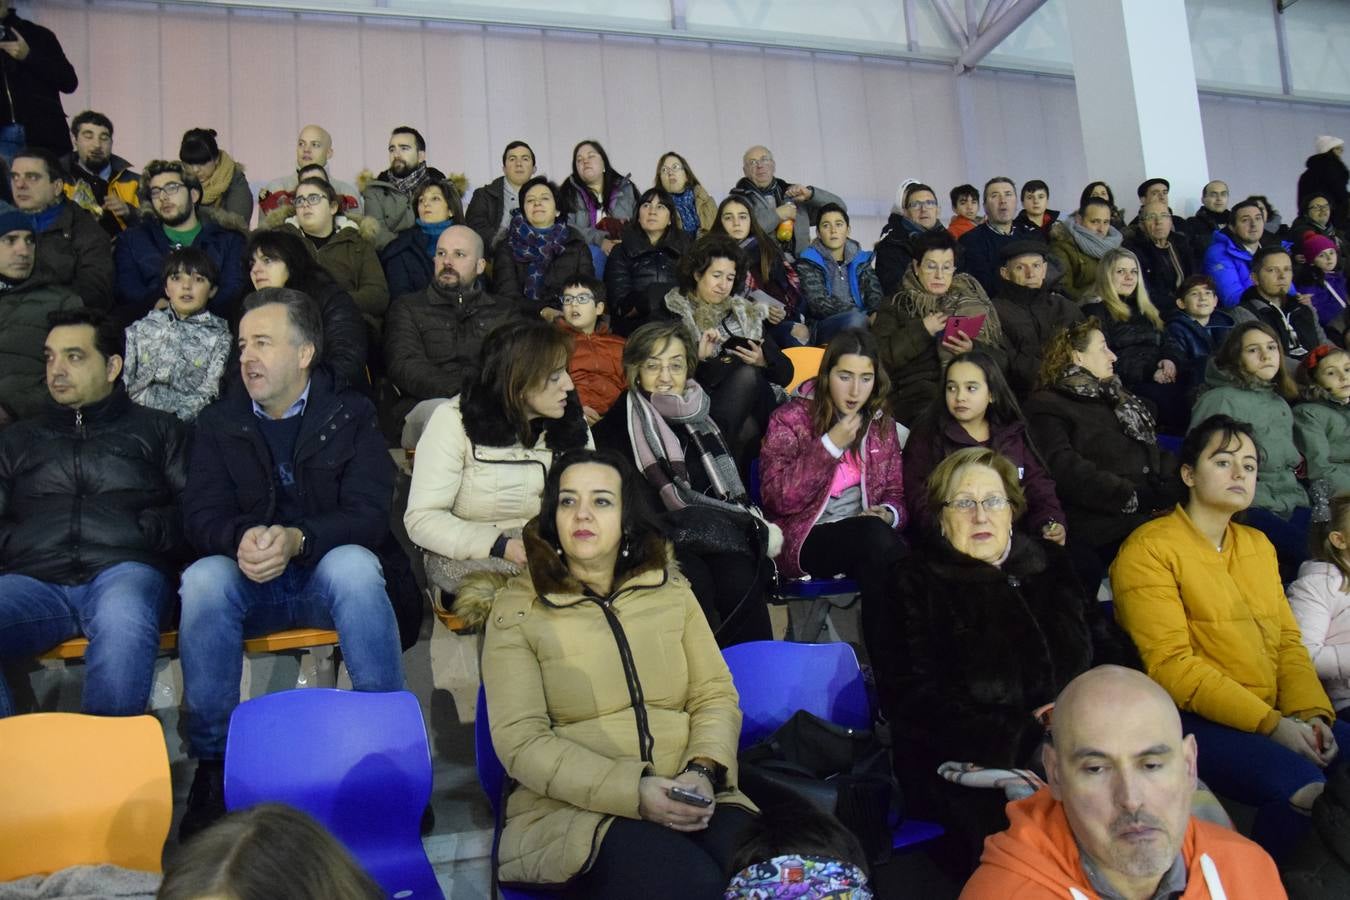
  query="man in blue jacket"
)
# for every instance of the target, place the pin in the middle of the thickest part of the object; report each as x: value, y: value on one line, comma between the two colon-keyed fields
x: 172, y: 195
x: 1229, y: 257
x: 288, y: 499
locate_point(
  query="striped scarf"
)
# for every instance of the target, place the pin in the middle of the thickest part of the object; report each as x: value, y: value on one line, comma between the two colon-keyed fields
x: 661, y: 457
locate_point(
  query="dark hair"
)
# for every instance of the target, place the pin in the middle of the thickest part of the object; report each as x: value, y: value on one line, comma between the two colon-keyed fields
x: 930, y: 240
x: 1095, y: 201
x: 266, y: 851
x: 638, y: 521
x: 830, y: 208
x: 1057, y: 352
x: 303, y: 271
x: 910, y: 190
x: 1271, y: 211
x: 448, y: 191
x: 534, y: 183
x: 1035, y: 184
x: 198, y: 146
x: 189, y: 260
x: 1309, y: 198
x: 517, y: 357
x: 109, y: 339
x: 662, y: 196
x: 324, y: 187
x: 1003, y: 405
x: 770, y: 257
x: 89, y: 117
x: 998, y: 179
x: 312, y: 168
x: 962, y: 191
x: 1228, y: 358
x: 706, y: 249
x: 1244, y: 203
x: 513, y: 145
x: 158, y: 167
x: 417, y: 136
x: 1087, y: 193
x: 860, y: 342
x: 611, y: 178
x: 790, y: 826
x: 690, y: 179
x: 1193, y: 281
x: 301, y: 312
x: 594, y: 285
x: 49, y: 160
x: 1199, y: 436
x: 1265, y: 252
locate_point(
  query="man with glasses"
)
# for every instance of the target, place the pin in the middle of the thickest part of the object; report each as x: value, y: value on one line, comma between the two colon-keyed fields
x: 432, y: 338
x: 774, y: 201
x: 490, y: 207
x: 1165, y: 257
x: 172, y: 219
x: 72, y: 250
x: 314, y: 147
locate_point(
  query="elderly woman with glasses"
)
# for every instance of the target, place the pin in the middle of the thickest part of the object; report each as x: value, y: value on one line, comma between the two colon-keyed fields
x: 984, y: 624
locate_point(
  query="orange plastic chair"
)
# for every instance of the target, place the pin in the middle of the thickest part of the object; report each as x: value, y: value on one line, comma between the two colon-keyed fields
x: 805, y: 364
x: 291, y: 639
x: 82, y: 790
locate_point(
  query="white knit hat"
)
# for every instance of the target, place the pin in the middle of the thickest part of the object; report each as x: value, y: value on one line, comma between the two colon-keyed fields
x: 1326, y: 142
x: 898, y: 207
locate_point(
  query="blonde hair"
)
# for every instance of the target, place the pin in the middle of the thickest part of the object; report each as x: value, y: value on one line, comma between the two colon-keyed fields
x: 1114, y: 303
x: 946, y: 473
x: 1328, y: 552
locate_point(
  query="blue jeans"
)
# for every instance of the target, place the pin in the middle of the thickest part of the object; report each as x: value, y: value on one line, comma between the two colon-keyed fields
x: 1290, y: 536
x: 1253, y: 769
x: 119, y: 611
x: 222, y: 607
x: 824, y: 329
x: 13, y: 138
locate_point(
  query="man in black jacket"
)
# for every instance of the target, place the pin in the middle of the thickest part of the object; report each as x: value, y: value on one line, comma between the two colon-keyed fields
x: 491, y: 205
x: 288, y: 501
x: 34, y: 73
x: 89, y: 525
x: 1030, y: 311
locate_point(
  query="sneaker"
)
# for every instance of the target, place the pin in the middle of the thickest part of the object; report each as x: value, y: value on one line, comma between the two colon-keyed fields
x: 206, y: 799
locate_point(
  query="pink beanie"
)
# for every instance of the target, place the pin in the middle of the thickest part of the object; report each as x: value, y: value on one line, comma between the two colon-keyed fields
x: 1314, y: 244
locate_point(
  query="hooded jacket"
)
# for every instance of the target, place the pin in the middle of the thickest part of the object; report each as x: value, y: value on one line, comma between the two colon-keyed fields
x: 388, y: 207
x: 1030, y: 317
x: 1293, y: 321
x: 1230, y: 265
x: 84, y: 489
x: 140, y: 261
x: 1080, y: 269
x: 891, y: 251
x: 1037, y: 858
x: 176, y: 364
x: 1322, y: 608
x: 587, y: 694
x: 23, y: 330
x: 349, y: 256
x: 33, y: 86
x: 74, y: 251
x: 1023, y: 225
x: 1322, y: 433
x: 798, y: 471
x: 638, y: 273
x: 764, y: 203
x: 1213, y: 626
x: 864, y: 290
x: 474, y: 479
x: 596, y: 365
x: 1250, y: 400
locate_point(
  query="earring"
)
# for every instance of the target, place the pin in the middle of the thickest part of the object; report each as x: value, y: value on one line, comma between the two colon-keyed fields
x: 558, y: 550
x: 624, y: 551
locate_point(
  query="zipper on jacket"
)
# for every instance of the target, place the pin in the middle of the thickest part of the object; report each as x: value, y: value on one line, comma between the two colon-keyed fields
x: 76, y: 510
x: 646, y: 741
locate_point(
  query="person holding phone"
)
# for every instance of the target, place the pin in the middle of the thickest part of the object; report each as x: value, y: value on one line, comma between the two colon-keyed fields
x: 738, y: 360
x: 601, y: 633
x: 35, y: 73
x: 937, y: 314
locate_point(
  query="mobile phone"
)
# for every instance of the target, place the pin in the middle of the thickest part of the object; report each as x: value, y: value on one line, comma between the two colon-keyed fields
x: 6, y: 36
x: 738, y: 343
x: 685, y: 795
x: 968, y: 325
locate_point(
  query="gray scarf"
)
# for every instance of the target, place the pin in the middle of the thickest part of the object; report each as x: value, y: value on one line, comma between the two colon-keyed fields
x: 1090, y: 242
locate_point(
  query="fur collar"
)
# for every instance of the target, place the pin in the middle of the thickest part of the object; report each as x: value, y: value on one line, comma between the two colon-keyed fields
x: 485, y: 422
x: 548, y: 574
x: 366, y: 227
x: 1026, y: 558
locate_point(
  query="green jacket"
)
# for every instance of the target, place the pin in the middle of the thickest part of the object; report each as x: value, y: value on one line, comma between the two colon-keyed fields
x: 1322, y: 430
x: 1272, y: 421
x: 23, y: 331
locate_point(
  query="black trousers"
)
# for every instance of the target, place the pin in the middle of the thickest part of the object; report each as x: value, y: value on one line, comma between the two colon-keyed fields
x: 732, y: 593
x: 649, y: 861
x: 861, y: 547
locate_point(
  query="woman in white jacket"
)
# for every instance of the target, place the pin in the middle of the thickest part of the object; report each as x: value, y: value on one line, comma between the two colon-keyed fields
x: 1320, y: 599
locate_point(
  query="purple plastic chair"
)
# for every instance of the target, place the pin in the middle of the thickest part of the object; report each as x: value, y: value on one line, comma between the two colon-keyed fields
x: 492, y: 776
x: 775, y: 679
x: 357, y: 762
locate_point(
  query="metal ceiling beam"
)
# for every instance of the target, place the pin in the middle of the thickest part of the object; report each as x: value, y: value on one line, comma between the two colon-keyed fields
x: 953, y: 24
x: 1016, y: 12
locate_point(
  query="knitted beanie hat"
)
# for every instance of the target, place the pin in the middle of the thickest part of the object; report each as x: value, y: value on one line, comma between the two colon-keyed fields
x: 1326, y: 142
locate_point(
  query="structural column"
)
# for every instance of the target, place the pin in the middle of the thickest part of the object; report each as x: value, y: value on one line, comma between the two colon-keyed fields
x: 1137, y: 100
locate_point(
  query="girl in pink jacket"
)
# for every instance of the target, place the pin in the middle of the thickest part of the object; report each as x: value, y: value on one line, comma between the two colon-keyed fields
x: 830, y: 470
x: 1320, y: 599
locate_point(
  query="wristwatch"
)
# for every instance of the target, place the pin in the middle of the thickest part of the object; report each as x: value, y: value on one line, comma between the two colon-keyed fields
x: 700, y: 769
x: 301, y: 550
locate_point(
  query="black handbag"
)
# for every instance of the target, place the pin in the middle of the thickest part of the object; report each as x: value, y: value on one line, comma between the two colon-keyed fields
x: 845, y: 772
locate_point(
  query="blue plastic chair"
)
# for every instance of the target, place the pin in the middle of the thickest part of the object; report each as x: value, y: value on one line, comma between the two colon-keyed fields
x: 357, y: 762
x: 492, y: 775
x: 775, y: 679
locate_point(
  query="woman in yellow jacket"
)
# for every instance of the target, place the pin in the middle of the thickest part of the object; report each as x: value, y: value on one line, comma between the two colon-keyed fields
x: 1202, y: 599
x: 610, y: 705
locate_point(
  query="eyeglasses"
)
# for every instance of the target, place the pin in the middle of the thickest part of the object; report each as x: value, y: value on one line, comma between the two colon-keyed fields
x: 673, y: 169
x: 761, y: 161
x: 1319, y: 207
x: 577, y: 299
x: 655, y: 367
x: 992, y: 503
x: 945, y: 268
x: 303, y: 200
x: 169, y: 190
x: 921, y: 204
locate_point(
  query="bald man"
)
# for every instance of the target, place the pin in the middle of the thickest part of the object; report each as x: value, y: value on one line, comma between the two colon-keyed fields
x: 314, y: 147
x: 1116, y: 820
x: 773, y: 201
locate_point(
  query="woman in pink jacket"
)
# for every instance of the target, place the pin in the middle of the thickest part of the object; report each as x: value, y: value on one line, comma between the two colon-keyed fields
x: 830, y: 470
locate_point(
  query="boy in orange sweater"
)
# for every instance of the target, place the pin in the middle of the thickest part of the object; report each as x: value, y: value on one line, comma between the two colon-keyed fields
x: 596, y: 366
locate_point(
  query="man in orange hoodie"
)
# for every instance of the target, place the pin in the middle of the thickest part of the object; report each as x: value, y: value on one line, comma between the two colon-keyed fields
x: 1115, y: 822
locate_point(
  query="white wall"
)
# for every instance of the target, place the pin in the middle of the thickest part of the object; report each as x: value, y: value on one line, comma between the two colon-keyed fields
x: 855, y: 125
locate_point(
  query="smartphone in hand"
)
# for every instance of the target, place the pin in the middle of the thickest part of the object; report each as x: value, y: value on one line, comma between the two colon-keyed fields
x: 685, y: 795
